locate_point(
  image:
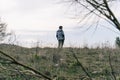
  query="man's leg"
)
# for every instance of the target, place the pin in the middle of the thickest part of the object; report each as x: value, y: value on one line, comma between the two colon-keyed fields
x: 62, y: 42
x: 58, y: 43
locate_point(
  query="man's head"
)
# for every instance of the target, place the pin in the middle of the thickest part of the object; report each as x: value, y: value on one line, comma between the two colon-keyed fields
x: 60, y: 27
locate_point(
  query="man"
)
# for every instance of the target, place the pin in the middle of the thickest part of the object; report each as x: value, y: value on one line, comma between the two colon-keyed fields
x: 60, y: 37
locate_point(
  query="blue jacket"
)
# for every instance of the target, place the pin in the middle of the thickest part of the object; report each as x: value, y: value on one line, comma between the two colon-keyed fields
x: 60, y: 34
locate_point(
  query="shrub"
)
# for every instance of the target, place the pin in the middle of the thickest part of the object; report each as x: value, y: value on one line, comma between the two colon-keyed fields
x: 117, y: 42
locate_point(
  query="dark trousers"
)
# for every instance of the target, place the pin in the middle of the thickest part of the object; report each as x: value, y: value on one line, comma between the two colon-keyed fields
x: 60, y: 43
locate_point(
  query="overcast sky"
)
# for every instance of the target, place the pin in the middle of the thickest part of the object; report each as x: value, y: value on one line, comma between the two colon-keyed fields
x: 38, y: 20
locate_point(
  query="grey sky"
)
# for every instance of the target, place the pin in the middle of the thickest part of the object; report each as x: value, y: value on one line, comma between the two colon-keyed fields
x: 38, y: 20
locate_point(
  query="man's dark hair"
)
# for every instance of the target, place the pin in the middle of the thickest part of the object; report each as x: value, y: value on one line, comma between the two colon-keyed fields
x: 60, y: 27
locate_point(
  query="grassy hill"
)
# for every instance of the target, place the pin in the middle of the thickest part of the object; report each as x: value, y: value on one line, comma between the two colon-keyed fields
x: 100, y: 63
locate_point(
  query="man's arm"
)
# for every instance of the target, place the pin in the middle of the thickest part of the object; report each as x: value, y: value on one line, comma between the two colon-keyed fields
x: 63, y: 34
x: 56, y: 34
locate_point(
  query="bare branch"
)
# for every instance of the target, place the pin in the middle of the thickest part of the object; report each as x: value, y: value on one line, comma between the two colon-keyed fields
x: 93, y: 11
x: 80, y: 64
x: 112, y: 16
x: 27, y: 67
x: 112, y: 70
x: 102, y: 7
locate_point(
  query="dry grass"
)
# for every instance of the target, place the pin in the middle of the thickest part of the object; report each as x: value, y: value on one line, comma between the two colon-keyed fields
x: 61, y: 63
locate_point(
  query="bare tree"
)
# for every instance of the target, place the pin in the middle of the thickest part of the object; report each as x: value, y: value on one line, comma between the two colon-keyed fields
x: 100, y: 8
x: 3, y: 32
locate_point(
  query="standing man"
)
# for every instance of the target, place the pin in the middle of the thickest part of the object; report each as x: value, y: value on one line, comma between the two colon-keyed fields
x: 60, y: 37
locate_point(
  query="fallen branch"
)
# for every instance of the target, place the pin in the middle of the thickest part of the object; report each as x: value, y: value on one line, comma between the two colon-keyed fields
x: 80, y: 64
x: 25, y: 66
x: 112, y: 70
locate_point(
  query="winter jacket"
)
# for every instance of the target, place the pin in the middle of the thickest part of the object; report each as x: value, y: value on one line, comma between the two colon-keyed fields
x: 60, y: 34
